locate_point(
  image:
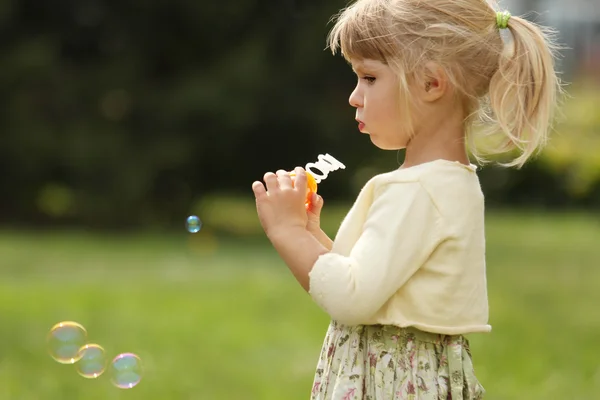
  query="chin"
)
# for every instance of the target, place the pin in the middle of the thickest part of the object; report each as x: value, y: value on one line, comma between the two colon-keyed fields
x: 383, y: 144
x: 387, y: 146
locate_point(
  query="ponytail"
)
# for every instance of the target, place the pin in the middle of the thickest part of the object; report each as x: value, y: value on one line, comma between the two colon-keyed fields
x: 524, y: 91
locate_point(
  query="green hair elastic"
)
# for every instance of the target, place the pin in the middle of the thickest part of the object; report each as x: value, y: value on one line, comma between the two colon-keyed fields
x: 502, y: 18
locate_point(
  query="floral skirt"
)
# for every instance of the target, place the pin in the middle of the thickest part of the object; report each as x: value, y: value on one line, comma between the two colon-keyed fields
x: 377, y: 362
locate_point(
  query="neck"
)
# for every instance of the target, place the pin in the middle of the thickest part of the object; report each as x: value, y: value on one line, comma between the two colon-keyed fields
x: 445, y: 139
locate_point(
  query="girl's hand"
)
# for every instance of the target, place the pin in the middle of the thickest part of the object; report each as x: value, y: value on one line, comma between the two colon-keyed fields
x: 313, y: 213
x: 281, y: 205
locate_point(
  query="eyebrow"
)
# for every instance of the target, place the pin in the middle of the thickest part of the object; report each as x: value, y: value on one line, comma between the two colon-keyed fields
x: 358, y: 68
x: 361, y: 67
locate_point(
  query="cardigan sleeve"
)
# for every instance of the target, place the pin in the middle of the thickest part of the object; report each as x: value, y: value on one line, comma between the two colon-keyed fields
x: 400, y: 233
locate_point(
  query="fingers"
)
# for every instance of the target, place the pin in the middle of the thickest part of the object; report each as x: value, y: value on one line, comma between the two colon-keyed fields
x: 301, y: 180
x: 316, y: 204
x: 285, y: 181
x: 260, y: 192
x: 271, y: 181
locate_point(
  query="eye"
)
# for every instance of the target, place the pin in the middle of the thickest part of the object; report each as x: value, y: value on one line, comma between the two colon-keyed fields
x: 369, y: 79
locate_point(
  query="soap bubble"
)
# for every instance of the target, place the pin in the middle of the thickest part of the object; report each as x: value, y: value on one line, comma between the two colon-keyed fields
x: 193, y: 224
x: 64, y: 341
x: 126, y: 370
x: 92, y: 361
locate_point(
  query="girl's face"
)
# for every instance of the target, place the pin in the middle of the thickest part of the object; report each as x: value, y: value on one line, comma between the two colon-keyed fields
x: 377, y: 103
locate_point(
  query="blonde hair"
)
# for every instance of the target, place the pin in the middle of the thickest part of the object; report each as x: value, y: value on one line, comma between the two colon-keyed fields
x: 514, y: 86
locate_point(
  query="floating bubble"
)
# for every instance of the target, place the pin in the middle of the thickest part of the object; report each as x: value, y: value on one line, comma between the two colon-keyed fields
x: 92, y: 361
x: 64, y: 341
x: 193, y: 224
x: 126, y: 370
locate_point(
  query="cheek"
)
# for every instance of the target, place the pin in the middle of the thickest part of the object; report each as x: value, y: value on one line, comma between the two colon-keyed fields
x: 390, y: 112
x: 397, y: 123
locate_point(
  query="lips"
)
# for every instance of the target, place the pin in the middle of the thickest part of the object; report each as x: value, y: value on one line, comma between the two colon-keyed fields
x: 361, y: 125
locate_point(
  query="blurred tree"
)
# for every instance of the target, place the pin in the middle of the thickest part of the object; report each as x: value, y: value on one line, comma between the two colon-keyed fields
x: 126, y: 113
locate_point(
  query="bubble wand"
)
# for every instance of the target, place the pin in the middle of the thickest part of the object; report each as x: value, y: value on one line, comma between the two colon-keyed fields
x: 324, y: 165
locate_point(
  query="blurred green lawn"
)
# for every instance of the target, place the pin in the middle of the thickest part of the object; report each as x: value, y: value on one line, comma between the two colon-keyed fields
x: 222, y: 318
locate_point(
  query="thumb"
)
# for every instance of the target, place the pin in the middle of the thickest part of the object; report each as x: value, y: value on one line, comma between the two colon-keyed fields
x: 316, y: 204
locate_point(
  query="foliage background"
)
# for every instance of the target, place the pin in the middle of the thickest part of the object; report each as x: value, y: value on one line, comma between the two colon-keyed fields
x: 127, y: 114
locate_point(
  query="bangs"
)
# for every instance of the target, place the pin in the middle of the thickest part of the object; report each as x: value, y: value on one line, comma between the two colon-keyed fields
x: 359, y: 34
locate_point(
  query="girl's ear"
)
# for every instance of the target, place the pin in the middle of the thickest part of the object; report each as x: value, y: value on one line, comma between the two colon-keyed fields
x: 435, y: 82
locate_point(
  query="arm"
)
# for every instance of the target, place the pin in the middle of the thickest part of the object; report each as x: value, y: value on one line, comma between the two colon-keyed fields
x: 322, y: 237
x: 313, y: 212
x: 402, y: 229
x: 299, y: 249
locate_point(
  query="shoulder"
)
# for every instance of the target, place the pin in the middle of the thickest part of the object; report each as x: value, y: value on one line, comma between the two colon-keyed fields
x: 399, y: 192
x: 438, y: 183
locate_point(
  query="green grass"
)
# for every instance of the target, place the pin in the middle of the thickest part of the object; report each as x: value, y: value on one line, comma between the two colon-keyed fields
x: 218, y: 318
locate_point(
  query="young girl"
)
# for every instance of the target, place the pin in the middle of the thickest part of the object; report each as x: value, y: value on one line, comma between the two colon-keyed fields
x: 405, y: 278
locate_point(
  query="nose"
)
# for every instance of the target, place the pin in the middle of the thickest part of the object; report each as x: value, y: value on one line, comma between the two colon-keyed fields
x: 355, y: 99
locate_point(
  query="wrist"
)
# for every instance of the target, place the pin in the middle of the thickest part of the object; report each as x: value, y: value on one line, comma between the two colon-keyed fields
x: 315, y: 230
x: 285, y: 233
